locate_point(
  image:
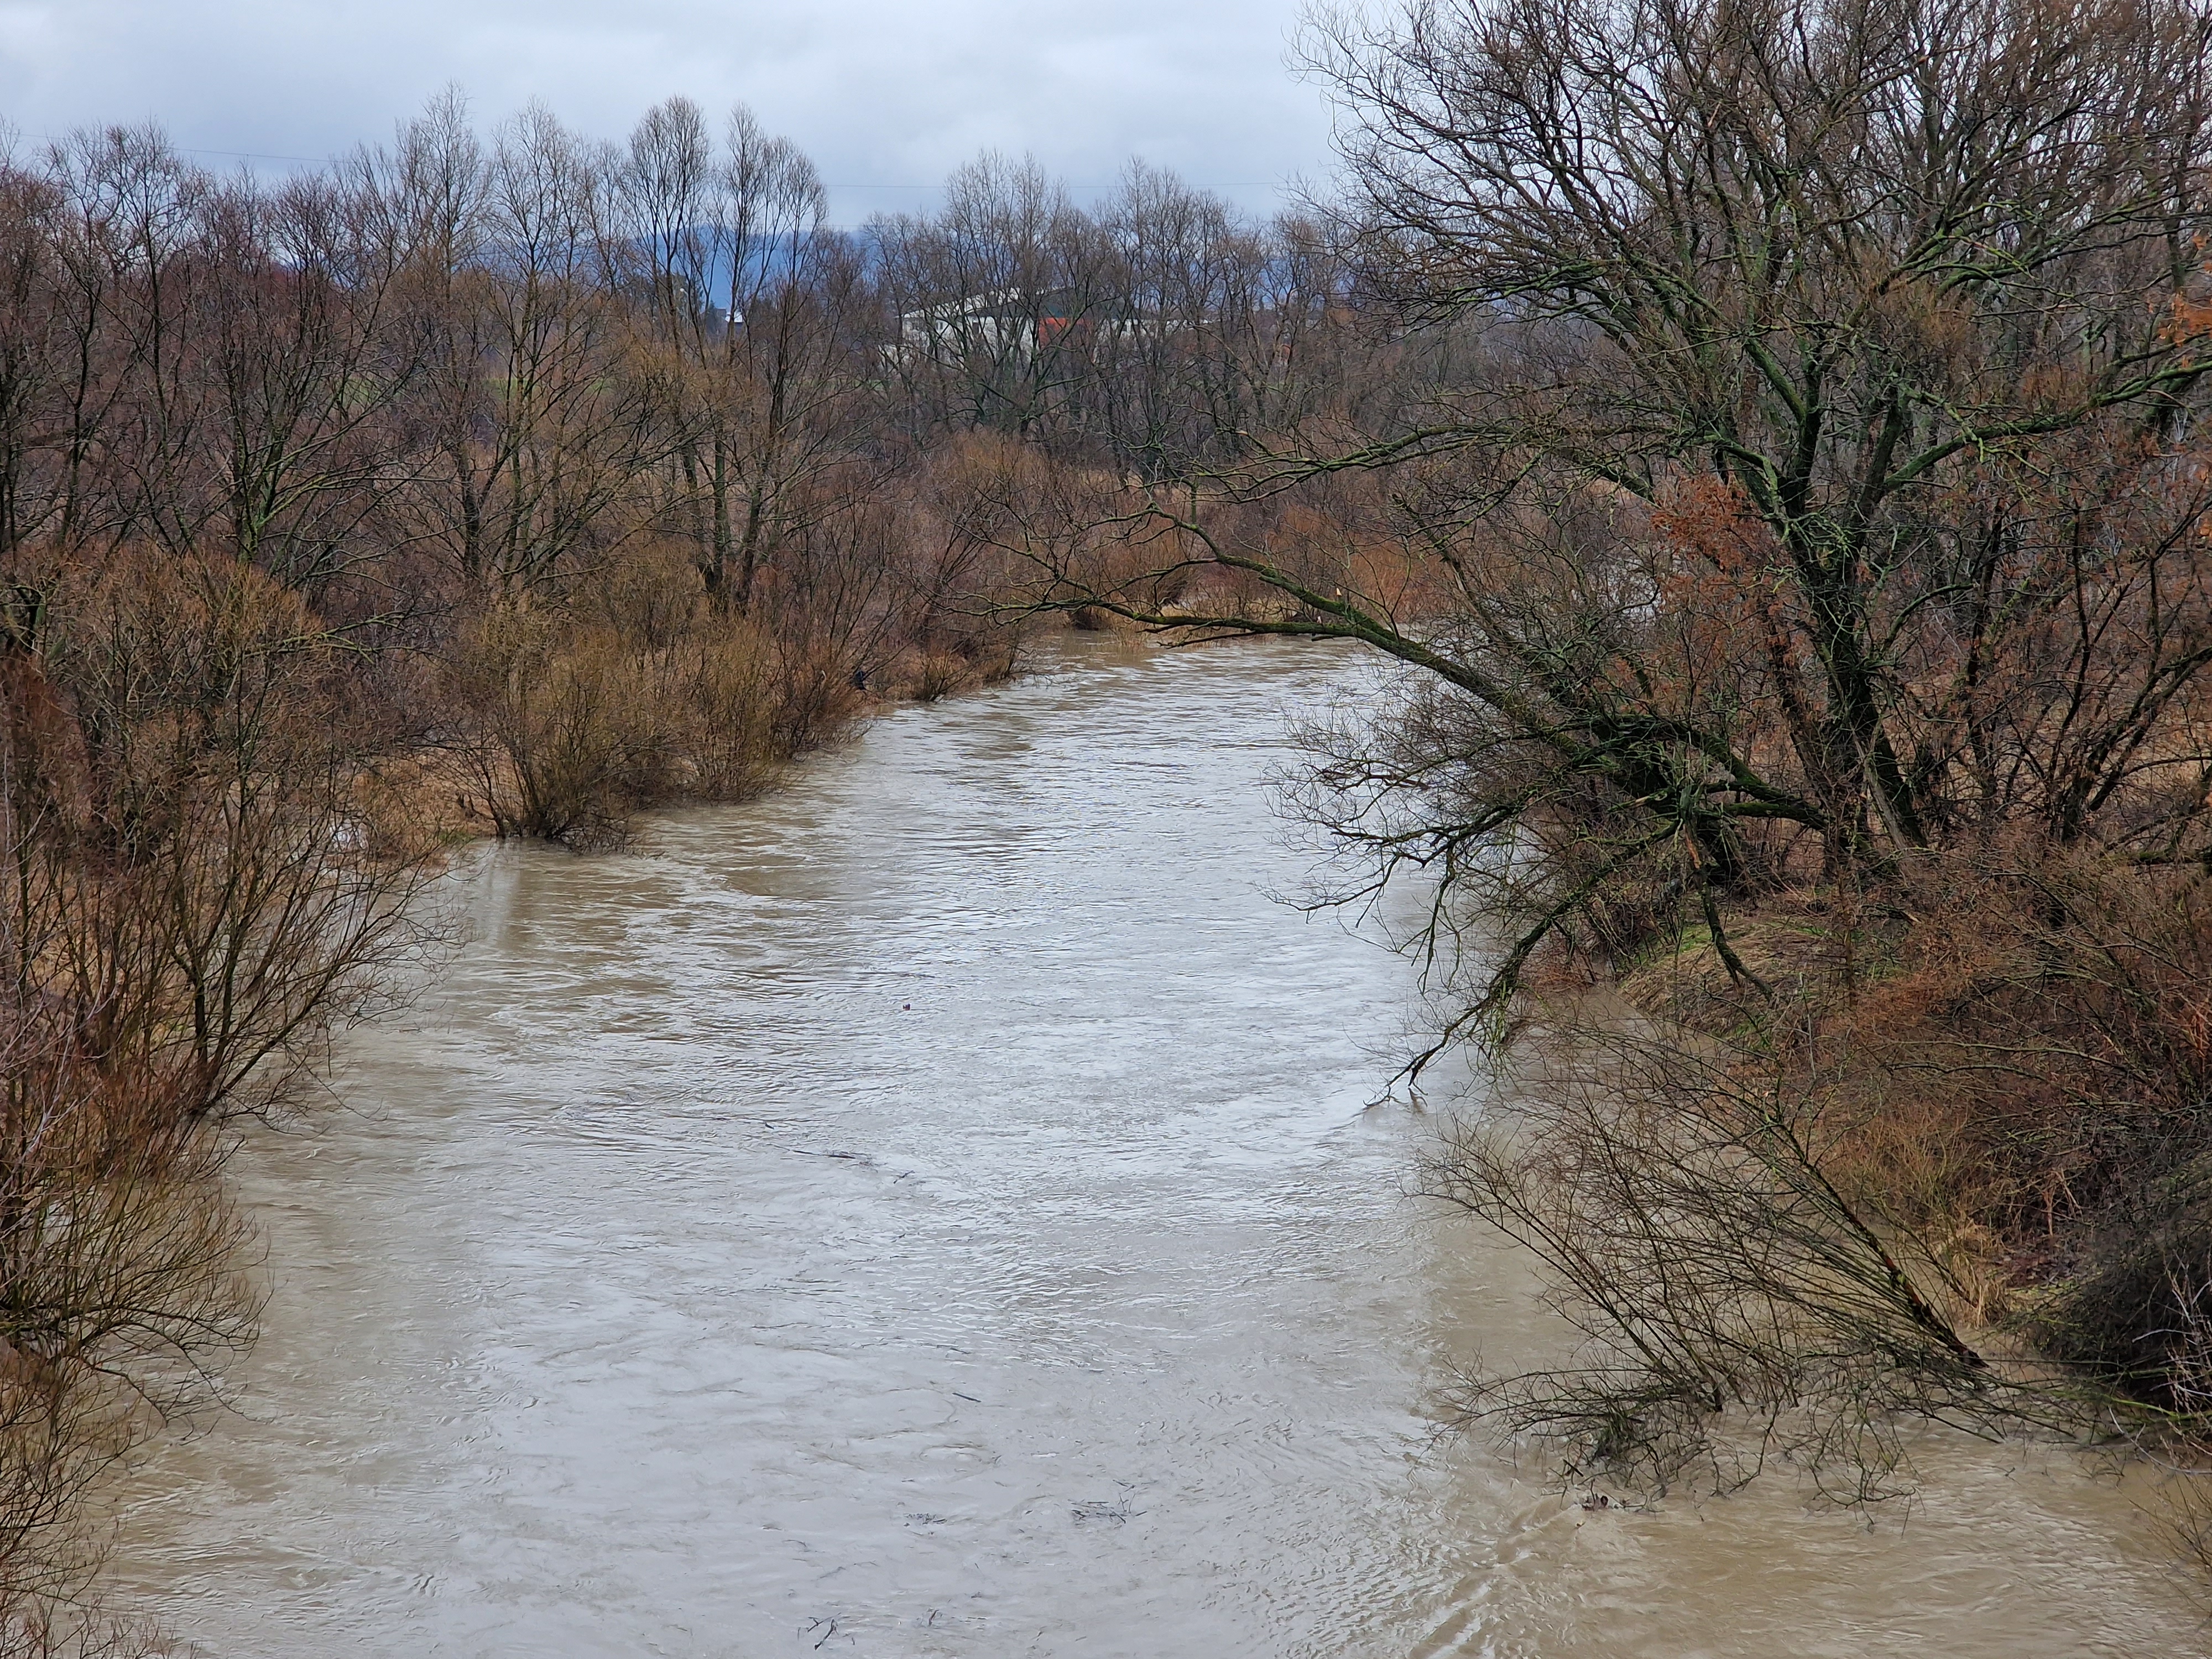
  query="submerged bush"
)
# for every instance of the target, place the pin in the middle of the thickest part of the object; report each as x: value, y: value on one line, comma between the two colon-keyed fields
x: 199, y: 884
x: 577, y: 717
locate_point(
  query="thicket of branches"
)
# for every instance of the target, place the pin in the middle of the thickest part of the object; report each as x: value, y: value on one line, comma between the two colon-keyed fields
x: 1779, y: 471
x: 1764, y: 433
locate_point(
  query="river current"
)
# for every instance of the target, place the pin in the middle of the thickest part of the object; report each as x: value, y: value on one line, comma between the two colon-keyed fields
x: 937, y: 1210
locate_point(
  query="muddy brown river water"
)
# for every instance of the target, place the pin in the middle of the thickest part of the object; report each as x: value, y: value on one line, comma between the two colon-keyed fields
x: 934, y: 1210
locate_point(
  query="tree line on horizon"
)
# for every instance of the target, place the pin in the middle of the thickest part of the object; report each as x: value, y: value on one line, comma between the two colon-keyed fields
x: 1764, y: 437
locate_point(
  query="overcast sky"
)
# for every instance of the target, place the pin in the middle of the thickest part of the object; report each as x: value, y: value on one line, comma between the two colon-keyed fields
x: 887, y: 95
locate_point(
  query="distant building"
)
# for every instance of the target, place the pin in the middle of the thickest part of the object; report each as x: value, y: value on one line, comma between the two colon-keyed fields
x: 1010, y: 323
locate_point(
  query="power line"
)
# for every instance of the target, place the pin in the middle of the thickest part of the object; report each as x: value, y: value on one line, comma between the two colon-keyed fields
x: 251, y: 155
x: 1234, y: 184
x: 200, y: 149
x: 271, y: 155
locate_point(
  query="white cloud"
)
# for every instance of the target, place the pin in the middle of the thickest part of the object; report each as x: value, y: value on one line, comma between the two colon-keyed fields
x: 881, y: 94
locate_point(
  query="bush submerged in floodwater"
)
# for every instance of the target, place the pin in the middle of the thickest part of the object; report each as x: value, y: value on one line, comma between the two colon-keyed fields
x: 199, y: 884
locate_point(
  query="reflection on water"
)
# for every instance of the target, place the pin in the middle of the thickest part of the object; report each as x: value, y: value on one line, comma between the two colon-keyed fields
x: 932, y: 1211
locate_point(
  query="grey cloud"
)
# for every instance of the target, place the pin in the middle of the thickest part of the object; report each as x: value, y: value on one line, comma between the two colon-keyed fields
x: 881, y: 94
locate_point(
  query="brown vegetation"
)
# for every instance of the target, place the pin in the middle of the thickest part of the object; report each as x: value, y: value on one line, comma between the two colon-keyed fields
x: 1776, y: 462
x: 201, y: 885
x: 515, y: 483
x: 1766, y: 433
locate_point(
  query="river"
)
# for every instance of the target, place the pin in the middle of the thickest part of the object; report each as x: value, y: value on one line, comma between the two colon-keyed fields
x: 936, y: 1211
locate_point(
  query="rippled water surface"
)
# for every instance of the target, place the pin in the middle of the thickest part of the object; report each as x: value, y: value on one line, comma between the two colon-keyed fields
x: 932, y: 1211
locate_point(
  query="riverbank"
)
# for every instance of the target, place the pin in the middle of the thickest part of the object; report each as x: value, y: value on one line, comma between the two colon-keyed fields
x: 892, y: 1204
